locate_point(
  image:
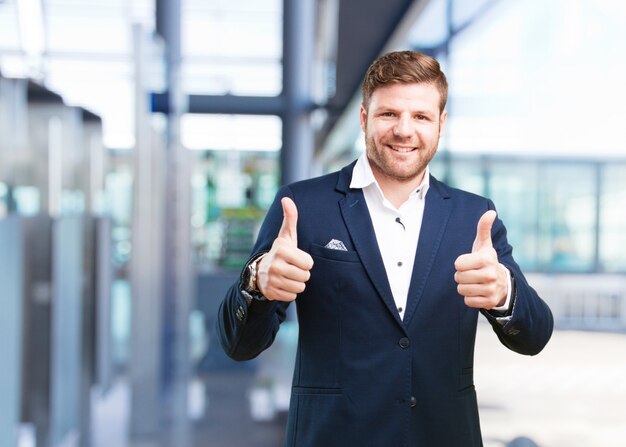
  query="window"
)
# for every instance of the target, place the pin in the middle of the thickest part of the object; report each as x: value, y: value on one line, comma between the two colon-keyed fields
x: 567, y: 217
x: 613, y: 219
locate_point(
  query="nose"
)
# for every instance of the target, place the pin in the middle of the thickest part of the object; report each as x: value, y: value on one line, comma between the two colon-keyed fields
x: 403, y: 127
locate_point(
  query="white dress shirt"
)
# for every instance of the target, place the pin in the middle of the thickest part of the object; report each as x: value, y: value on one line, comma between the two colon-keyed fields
x: 397, y: 230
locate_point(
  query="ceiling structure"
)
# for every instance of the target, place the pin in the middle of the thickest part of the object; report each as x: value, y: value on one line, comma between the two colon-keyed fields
x: 89, y: 43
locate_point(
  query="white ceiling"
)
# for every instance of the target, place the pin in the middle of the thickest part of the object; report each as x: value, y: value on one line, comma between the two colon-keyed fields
x: 229, y: 46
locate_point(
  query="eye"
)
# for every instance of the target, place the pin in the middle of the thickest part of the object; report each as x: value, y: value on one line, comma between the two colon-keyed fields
x: 421, y: 117
x: 388, y: 114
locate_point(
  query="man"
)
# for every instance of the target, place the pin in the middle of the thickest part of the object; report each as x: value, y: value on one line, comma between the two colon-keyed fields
x: 389, y: 269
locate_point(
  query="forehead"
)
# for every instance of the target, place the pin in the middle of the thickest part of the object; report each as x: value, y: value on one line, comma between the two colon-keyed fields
x: 423, y: 96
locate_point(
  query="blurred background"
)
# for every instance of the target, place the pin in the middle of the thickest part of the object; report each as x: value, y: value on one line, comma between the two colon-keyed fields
x: 141, y: 142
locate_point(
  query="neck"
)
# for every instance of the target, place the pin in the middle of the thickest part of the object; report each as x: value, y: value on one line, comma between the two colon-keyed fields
x: 398, y: 191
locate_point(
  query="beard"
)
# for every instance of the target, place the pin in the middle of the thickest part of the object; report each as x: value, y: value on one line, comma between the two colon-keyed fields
x: 402, y: 168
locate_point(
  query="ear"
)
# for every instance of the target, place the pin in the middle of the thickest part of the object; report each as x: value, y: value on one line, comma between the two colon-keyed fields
x: 363, y: 117
x: 443, y: 118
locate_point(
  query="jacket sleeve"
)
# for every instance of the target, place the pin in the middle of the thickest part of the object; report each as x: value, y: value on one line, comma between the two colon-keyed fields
x: 530, y: 325
x: 244, y: 331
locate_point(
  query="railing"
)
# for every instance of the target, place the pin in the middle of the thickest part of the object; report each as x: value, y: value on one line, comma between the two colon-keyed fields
x: 585, y: 302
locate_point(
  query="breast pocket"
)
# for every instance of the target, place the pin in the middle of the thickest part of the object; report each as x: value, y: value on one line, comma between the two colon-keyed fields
x: 334, y: 255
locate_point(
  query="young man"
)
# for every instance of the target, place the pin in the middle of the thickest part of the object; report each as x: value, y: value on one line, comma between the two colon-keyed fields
x: 389, y: 269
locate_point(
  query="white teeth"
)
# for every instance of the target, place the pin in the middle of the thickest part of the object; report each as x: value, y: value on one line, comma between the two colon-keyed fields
x: 402, y: 149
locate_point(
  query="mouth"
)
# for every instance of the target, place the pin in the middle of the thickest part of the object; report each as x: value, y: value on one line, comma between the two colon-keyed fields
x: 402, y: 149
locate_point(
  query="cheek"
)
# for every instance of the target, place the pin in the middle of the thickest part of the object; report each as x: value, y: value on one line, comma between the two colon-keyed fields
x: 371, y: 138
x: 379, y: 132
x: 428, y: 135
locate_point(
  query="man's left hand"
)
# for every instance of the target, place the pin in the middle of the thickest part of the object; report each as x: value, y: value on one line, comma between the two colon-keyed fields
x: 481, y: 279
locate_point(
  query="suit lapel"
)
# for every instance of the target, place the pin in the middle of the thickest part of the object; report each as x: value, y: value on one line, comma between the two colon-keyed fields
x: 359, y: 223
x: 357, y: 218
x: 436, y: 214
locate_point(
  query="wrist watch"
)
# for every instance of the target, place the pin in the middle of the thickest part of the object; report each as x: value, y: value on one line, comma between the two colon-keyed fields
x: 249, y: 288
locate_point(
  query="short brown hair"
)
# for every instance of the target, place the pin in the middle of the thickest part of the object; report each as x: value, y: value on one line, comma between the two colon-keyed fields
x: 404, y: 67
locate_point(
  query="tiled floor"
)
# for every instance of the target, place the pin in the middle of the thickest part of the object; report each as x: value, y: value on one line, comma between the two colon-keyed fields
x: 571, y: 395
x: 227, y: 421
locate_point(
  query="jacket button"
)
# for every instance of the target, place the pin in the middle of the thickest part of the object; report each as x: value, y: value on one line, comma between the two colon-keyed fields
x: 404, y: 343
x: 413, y: 401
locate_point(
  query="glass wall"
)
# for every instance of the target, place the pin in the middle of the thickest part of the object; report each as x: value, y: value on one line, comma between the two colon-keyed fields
x: 561, y: 216
x: 612, y: 235
x: 566, y: 218
x: 514, y: 188
x: 231, y: 191
x: 535, y: 77
x: 232, y: 47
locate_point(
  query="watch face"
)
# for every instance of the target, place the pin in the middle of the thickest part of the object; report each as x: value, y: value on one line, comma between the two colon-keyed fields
x: 248, y: 284
x: 245, y: 278
x: 250, y: 278
x: 247, y: 297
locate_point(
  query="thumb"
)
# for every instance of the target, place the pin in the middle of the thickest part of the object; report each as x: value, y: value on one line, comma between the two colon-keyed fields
x: 483, y: 231
x: 290, y: 221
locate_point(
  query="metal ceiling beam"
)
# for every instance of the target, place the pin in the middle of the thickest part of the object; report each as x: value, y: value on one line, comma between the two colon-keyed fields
x: 228, y: 104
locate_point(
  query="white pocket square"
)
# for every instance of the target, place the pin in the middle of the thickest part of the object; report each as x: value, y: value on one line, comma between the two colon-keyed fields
x: 335, y: 244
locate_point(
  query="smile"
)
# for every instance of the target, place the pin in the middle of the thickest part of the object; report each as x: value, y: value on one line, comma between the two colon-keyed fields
x: 402, y: 149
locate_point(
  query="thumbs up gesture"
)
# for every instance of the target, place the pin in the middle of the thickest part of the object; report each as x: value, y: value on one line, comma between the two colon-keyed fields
x: 481, y: 279
x: 283, y: 272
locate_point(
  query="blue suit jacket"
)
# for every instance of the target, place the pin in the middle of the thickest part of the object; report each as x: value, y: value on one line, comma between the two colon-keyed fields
x: 364, y: 377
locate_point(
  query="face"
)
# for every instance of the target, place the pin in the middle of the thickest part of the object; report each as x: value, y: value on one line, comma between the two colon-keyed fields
x: 402, y: 126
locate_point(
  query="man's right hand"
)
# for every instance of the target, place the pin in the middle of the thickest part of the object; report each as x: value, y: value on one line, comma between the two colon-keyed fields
x: 284, y: 270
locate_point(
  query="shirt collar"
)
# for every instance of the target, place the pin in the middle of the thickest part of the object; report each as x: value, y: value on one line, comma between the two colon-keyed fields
x: 362, y: 177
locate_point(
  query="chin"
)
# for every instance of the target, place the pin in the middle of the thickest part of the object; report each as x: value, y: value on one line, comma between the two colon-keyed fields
x: 403, y: 176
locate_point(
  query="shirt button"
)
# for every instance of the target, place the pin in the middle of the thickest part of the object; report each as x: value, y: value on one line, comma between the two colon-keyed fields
x: 399, y: 309
x: 399, y: 263
x: 413, y: 401
x: 404, y: 343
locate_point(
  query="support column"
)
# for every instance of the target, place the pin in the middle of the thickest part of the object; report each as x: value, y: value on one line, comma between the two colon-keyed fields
x: 298, y: 56
x: 11, y: 340
x: 177, y: 270
x: 146, y: 262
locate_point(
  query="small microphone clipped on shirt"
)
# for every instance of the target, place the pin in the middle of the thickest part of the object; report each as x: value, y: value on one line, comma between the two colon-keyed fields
x: 400, y: 222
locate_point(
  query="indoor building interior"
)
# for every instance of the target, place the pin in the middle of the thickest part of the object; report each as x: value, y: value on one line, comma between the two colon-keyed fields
x: 142, y: 142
